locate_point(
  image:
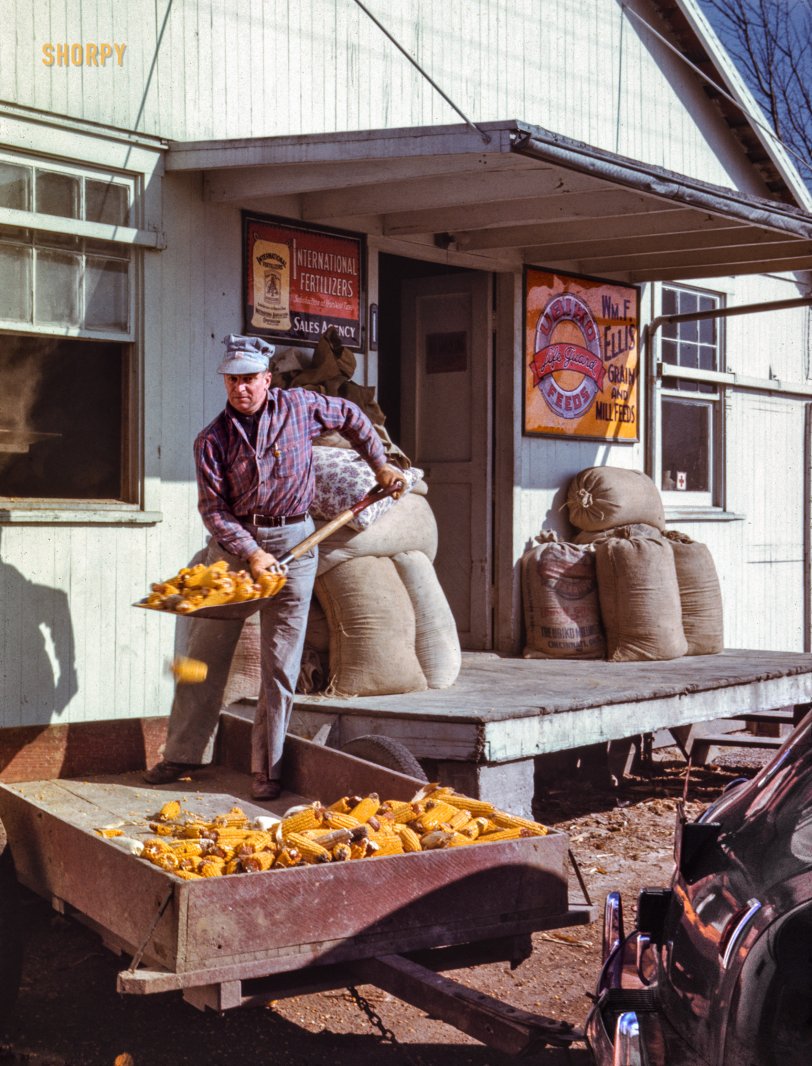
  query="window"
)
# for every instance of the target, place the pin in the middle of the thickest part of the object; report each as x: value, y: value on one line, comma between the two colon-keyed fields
x: 691, y: 404
x: 66, y: 335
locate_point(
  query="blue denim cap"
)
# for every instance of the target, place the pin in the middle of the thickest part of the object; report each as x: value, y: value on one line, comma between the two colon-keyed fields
x: 245, y: 355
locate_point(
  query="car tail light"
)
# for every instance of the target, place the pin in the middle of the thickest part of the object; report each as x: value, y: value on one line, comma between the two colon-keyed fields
x: 734, y: 930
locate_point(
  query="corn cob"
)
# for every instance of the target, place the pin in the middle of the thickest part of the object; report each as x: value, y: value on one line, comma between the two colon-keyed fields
x: 368, y: 806
x: 109, y: 833
x: 330, y: 838
x: 235, y: 817
x: 359, y: 849
x: 503, y: 834
x: 408, y: 837
x: 342, y: 806
x: 161, y: 829
x: 512, y: 821
x: 154, y: 848
x: 459, y: 819
x: 387, y: 845
x: 169, y: 812
x: 434, y: 816
x: 187, y: 875
x: 399, y: 810
x: 233, y: 866
x: 287, y: 857
x: 309, y: 818
x: 194, y: 830
x: 260, y: 860
x: 474, y: 828
x: 166, y: 860
x: 308, y: 849
x: 476, y: 807
x: 188, y: 848
x: 211, y: 868
x: 438, y: 838
x: 341, y: 852
x: 338, y: 820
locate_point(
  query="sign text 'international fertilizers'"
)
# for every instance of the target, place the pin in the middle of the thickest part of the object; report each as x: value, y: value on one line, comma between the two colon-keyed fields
x: 299, y: 280
x: 581, y: 351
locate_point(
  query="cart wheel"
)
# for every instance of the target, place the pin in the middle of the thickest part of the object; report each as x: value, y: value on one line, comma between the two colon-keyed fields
x: 11, y: 943
x: 384, y: 751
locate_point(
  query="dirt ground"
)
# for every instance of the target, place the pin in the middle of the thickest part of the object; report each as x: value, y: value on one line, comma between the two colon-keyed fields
x: 69, y: 1013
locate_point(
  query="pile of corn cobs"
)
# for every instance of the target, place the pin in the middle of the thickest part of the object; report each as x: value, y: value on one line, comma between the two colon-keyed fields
x: 353, y: 827
x: 209, y: 586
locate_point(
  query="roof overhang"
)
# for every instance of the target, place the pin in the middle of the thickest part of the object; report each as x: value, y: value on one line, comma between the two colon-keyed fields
x: 524, y: 195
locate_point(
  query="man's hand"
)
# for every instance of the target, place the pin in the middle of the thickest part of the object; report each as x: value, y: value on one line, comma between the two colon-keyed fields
x: 261, y: 561
x: 389, y: 475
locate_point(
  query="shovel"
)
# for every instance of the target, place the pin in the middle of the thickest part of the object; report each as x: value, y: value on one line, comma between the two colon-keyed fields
x: 235, y: 612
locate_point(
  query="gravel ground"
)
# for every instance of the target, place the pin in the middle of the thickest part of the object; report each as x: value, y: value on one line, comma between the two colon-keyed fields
x: 69, y: 1013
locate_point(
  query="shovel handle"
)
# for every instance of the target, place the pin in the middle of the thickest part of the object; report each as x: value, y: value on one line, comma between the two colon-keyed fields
x: 378, y: 493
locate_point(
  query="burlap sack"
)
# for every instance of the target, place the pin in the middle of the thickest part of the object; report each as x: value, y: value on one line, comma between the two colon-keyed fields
x: 560, y: 602
x: 437, y: 642
x: 244, y: 676
x: 372, y: 629
x: 639, y: 599
x: 317, y: 634
x: 636, y: 529
x: 408, y: 526
x: 602, y: 497
x: 700, y: 595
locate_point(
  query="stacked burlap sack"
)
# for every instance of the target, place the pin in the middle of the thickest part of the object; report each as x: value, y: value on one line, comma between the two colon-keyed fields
x: 626, y: 589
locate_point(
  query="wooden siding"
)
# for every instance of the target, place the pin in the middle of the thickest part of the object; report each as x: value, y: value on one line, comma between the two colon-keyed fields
x: 200, y: 69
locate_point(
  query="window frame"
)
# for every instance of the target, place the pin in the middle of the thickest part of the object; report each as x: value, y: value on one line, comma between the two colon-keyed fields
x: 126, y: 242
x: 666, y: 377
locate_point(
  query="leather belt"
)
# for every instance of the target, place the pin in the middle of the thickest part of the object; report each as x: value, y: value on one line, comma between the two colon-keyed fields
x: 275, y: 520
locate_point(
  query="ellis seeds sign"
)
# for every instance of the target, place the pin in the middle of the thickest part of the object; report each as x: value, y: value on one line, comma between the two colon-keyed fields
x: 581, y: 357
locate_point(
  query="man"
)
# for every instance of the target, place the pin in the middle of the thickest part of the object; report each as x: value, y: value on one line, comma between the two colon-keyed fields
x: 255, y: 484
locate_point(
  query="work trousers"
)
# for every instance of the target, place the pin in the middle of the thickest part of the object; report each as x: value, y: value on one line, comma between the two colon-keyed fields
x: 283, y: 622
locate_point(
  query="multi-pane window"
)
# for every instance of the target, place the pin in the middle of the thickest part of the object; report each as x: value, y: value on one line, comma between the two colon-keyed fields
x: 66, y: 333
x: 690, y: 408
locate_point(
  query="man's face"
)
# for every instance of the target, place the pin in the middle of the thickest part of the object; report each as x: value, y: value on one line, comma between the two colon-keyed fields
x: 246, y: 392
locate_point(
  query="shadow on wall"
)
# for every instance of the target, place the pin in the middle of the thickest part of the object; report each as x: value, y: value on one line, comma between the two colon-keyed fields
x: 41, y: 649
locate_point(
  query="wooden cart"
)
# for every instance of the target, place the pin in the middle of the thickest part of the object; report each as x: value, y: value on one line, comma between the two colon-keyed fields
x: 232, y: 941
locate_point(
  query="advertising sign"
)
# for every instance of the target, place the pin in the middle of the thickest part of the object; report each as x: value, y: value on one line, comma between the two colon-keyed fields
x: 582, y: 361
x: 300, y: 279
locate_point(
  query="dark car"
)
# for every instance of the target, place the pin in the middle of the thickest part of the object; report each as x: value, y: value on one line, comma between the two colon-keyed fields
x: 719, y: 969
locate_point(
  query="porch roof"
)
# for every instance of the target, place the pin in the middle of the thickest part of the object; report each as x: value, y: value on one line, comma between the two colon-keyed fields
x: 525, y: 195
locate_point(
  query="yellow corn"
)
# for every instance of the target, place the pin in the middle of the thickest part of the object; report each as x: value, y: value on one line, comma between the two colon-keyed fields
x: 166, y: 860
x: 467, y: 803
x: 341, y: 852
x: 337, y: 820
x: 458, y: 820
x: 308, y: 849
x: 438, y: 838
x: 153, y: 848
x: 194, y: 830
x: 188, y: 849
x: 359, y: 849
x: 309, y: 818
x: 187, y: 875
x: 342, y: 806
x: 409, y: 839
x: 389, y: 846
x: 260, y: 860
x: 503, y: 834
x: 211, y: 868
x: 108, y: 833
x: 513, y: 821
x: 161, y: 829
x: 474, y: 828
x: 287, y: 857
x: 368, y: 806
x: 435, y: 814
x: 236, y: 817
x: 170, y: 811
x: 233, y: 866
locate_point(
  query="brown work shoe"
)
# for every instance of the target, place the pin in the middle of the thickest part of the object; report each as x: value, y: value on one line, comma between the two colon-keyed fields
x: 164, y: 772
x: 264, y: 788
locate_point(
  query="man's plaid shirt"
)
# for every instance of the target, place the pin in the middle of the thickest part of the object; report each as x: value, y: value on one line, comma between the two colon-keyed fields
x: 235, y: 479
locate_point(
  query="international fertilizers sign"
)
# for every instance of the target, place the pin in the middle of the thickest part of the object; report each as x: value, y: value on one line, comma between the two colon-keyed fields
x: 300, y: 279
x: 582, y: 360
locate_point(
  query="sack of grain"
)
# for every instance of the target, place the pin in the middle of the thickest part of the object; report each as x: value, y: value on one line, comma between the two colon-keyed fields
x: 408, y: 526
x: 342, y: 478
x: 639, y: 599
x: 437, y: 643
x: 700, y: 595
x: 635, y: 529
x: 560, y: 600
x: 245, y: 675
x: 602, y: 497
x: 372, y: 629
